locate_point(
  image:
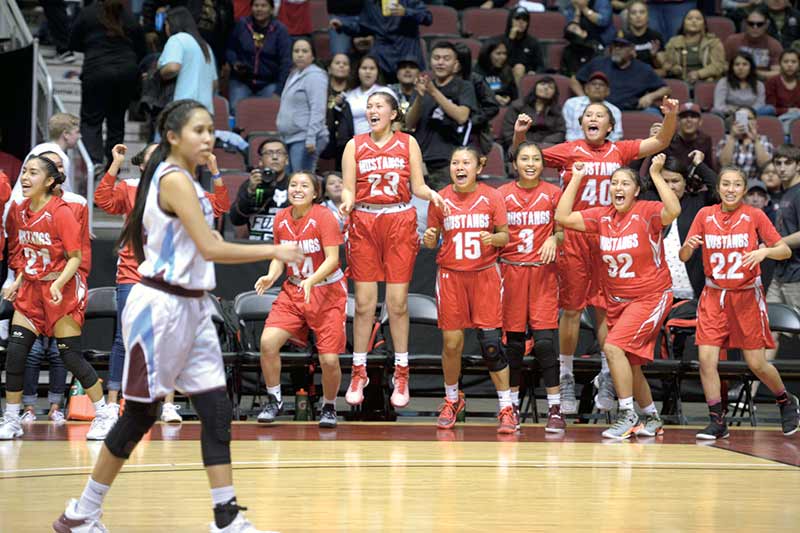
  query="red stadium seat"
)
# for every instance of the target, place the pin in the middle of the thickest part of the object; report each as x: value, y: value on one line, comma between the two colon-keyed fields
x: 704, y: 94
x: 555, y: 52
x: 255, y: 141
x: 497, y: 124
x: 636, y: 124
x: 477, y: 22
x: 319, y: 15
x: 795, y: 132
x: 445, y: 22
x: 257, y: 114
x: 474, y: 46
x: 221, y: 113
x: 496, y: 164
x: 322, y: 44
x: 234, y: 180
x: 547, y: 25
x: 229, y: 160
x: 721, y: 27
x: 773, y: 129
x: 714, y: 127
x: 680, y: 90
x: 562, y: 82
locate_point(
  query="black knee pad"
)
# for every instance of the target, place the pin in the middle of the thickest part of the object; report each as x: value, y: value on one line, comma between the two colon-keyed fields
x: 134, y: 423
x: 72, y: 355
x: 545, y: 352
x: 492, y: 349
x: 20, y: 341
x: 515, y: 352
x: 216, y: 414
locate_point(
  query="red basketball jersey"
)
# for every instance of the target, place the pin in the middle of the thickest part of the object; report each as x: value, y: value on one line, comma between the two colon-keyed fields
x: 39, y: 241
x: 530, y: 219
x: 600, y: 161
x: 383, y: 173
x: 470, y: 214
x: 317, y: 229
x: 80, y: 211
x: 727, y: 236
x: 632, y: 248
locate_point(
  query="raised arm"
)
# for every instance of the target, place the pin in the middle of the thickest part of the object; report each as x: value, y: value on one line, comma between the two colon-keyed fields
x: 660, y: 141
x: 565, y: 216
x: 672, y: 206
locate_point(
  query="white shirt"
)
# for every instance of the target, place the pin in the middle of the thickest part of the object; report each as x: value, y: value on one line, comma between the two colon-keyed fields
x: 681, y: 286
x: 358, y: 106
x: 574, y: 108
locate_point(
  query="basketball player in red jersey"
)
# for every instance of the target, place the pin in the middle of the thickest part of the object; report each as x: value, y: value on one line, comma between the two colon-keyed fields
x: 380, y: 170
x: 636, y: 279
x: 314, y: 295
x: 528, y: 265
x: 579, y: 257
x: 732, y: 311
x: 469, y: 287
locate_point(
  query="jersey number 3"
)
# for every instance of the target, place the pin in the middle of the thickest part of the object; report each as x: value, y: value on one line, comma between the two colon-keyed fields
x: 384, y: 184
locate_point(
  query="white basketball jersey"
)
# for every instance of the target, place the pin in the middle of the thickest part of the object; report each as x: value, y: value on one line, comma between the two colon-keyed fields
x: 170, y: 254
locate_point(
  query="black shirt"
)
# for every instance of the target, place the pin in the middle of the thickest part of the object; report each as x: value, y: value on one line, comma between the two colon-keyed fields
x: 789, y: 222
x: 526, y: 51
x: 258, y: 210
x: 103, y: 52
x: 644, y: 45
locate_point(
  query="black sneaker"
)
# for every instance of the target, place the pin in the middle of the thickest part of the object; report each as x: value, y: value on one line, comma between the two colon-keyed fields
x: 790, y: 416
x: 327, y: 417
x: 271, y: 410
x: 716, y: 429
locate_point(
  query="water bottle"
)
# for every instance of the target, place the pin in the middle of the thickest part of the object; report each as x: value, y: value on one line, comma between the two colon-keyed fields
x: 462, y: 415
x: 301, y: 405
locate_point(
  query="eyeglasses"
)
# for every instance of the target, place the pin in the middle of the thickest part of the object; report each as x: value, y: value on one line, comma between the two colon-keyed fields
x: 273, y: 153
x: 756, y: 24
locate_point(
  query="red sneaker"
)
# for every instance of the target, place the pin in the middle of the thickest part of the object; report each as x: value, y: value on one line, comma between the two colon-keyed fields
x: 517, y: 419
x: 358, y: 380
x: 448, y: 412
x: 401, y: 395
x: 555, y: 422
x: 506, y: 421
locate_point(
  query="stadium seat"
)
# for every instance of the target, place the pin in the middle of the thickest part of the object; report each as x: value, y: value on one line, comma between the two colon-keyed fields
x: 555, y: 52
x: 547, y: 25
x: 232, y: 181
x: 795, y: 132
x: 636, y: 124
x: 6, y: 310
x: 319, y: 15
x: 474, y: 46
x: 722, y: 27
x: 322, y: 44
x: 445, y: 22
x: 680, y: 90
x: 229, y: 160
x: 257, y: 114
x: 713, y: 126
x: 477, y: 22
x: 562, y: 82
x: 221, y: 114
x: 497, y: 124
x: 101, y: 311
x: 772, y: 128
x: 704, y: 94
x: 496, y: 162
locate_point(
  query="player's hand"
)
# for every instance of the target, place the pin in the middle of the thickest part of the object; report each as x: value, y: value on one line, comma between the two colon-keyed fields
x: 578, y: 170
x: 430, y: 238
x: 346, y: 207
x: 264, y: 283
x: 692, y: 76
x: 486, y: 238
x: 438, y: 201
x: 669, y: 105
x: 288, y: 253
x: 752, y: 259
x: 118, y: 154
x: 656, y: 164
x: 10, y: 292
x: 212, y: 164
x: 55, y: 293
x: 523, y: 123
x: 547, y: 253
x: 306, y: 285
x: 696, y: 157
x: 694, y: 242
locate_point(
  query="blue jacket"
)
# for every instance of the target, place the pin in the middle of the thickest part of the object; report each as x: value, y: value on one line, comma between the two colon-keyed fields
x: 395, y: 37
x: 273, y: 62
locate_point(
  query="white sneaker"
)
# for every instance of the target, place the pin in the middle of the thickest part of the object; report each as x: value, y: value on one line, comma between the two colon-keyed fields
x: 239, y: 525
x: 103, y: 421
x: 11, y: 427
x: 57, y: 416
x: 28, y: 417
x: 73, y: 522
x: 169, y: 413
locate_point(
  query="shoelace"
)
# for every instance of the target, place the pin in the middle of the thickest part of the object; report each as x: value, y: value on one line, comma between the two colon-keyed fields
x: 447, y: 409
x: 507, y: 416
x: 356, y: 381
x: 621, y: 422
x: 401, y: 381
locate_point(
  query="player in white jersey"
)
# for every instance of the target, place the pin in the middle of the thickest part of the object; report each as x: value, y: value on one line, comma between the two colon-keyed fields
x: 170, y: 340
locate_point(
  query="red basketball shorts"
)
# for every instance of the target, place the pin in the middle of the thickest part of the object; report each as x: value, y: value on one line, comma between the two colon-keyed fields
x: 634, y: 325
x: 530, y: 297
x: 382, y: 247
x: 35, y: 303
x: 469, y: 299
x: 580, y: 272
x: 733, y: 319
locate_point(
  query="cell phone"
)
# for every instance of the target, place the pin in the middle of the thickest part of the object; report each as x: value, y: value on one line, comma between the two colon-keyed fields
x: 743, y: 118
x: 161, y: 16
x: 387, y: 6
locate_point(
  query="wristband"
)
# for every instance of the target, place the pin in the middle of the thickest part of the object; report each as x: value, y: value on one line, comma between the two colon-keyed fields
x: 216, y: 176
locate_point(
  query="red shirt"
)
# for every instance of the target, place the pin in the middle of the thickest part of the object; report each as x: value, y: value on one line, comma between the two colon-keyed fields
x: 5, y: 194
x: 296, y: 16
x: 632, y: 247
x: 39, y: 241
x: 312, y: 233
x: 780, y: 96
x: 470, y: 214
x: 117, y: 198
x: 602, y: 162
x: 80, y: 211
x: 383, y: 174
x: 727, y: 236
x: 530, y: 219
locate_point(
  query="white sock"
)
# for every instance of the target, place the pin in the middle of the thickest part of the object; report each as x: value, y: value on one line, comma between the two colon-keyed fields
x: 360, y: 359
x: 451, y: 392
x: 99, y: 404
x: 401, y: 358
x: 275, y: 391
x: 13, y: 409
x: 553, y: 399
x: 566, y: 364
x: 92, y: 498
x: 504, y: 397
x: 222, y: 495
x: 515, y: 397
x: 649, y: 409
x: 604, y: 363
x: 626, y: 404
x: 326, y: 401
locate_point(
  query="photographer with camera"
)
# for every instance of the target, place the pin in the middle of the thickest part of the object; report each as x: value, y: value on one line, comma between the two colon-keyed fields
x: 265, y: 193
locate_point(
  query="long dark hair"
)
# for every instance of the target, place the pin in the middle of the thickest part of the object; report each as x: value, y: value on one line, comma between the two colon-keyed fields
x: 683, y: 22
x: 110, y: 16
x: 173, y: 118
x: 485, y: 57
x: 180, y: 21
x: 531, y: 98
x: 355, y: 80
x: 752, y: 76
x: 464, y: 58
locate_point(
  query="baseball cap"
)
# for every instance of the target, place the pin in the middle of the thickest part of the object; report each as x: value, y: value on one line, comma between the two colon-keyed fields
x: 597, y: 75
x: 408, y: 59
x: 756, y: 184
x: 689, y: 107
x: 621, y: 41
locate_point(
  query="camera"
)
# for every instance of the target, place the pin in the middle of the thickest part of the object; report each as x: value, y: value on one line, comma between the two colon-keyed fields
x: 267, y: 178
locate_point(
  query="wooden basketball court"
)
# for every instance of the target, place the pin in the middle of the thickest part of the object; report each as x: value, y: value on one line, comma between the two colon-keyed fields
x: 397, y: 477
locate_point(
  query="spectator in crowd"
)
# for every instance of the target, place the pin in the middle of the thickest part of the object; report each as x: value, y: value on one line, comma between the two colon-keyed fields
x: 579, y: 50
x: 666, y: 15
x: 783, y: 91
x: 113, y: 44
x: 296, y: 16
x: 769, y: 175
x: 741, y: 87
x: 754, y: 40
x: 405, y: 88
x: 493, y: 66
x: 441, y: 113
x: 338, y: 118
x: 65, y: 134
x: 44, y: 348
x: 694, y: 54
x: 648, y: 42
x: 524, y: 50
x: 301, y: 116
x: 396, y: 36
x: 757, y: 196
x: 264, y: 194
x: 188, y: 57
x: 362, y: 45
x: 214, y: 22
x: 541, y: 104
x: 346, y: 11
x: 488, y: 107
x: 369, y: 79
x: 784, y: 22
x: 634, y: 85
x: 55, y: 11
x: 743, y: 147
x: 259, y: 54
x: 690, y: 137
x: 594, y: 16
x: 333, y: 195
x: 596, y: 89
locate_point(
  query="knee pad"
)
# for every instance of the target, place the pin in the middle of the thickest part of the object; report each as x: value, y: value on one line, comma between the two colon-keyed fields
x: 492, y: 349
x: 20, y: 341
x: 71, y: 353
x: 216, y: 414
x: 134, y: 423
x: 545, y: 353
